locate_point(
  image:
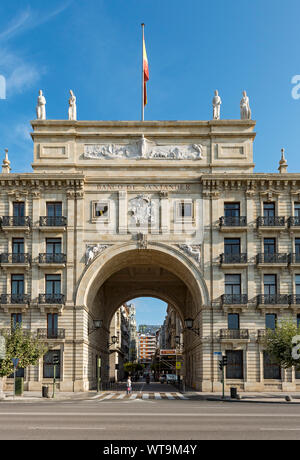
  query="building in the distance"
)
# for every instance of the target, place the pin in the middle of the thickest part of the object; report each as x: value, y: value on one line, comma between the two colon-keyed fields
x: 119, y: 343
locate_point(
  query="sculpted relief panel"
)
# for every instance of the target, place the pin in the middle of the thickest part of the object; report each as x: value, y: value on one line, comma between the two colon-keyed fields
x: 144, y: 149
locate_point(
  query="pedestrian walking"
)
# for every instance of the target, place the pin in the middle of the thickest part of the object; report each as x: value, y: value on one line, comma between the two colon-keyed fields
x: 129, y: 386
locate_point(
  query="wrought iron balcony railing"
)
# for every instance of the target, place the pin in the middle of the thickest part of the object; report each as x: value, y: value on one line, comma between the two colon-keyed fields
x: 261, y: 333
x: 294, y: 299
x: 52, y: 299
x: 270, y: 221
x: 52, y: 258
x: 272, y: 258
x: 294, y: 258
x: 55, y: 333
x: 233, y: 221
x: 56, y: 221
x: 273, y: 299
x: 20, y: 258
x: 9, y: 221
x: 233, y: 258
x: 7, y: 299
x: 294, y: 221
x: 236, y: 334
x: 234, y: 299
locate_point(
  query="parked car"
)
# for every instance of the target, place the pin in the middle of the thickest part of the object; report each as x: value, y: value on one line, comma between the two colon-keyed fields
x: 171, y: 378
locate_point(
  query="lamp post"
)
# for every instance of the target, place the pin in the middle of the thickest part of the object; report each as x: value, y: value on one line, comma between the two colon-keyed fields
x: 188, y: 323
x: 97, y: 324
x: 114, y: 340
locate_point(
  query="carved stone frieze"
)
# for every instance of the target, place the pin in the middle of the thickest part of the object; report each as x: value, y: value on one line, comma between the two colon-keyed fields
x: 94, y: 250
x: 193, y: 250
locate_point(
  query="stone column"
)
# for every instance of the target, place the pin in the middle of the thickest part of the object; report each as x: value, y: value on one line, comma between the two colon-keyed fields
x: 69, y: 246
x: 122, y: 212
x: 35, y: 250
x: 165, y: 212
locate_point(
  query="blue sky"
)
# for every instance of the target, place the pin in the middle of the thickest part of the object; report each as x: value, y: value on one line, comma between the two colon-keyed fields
x: 194, y: 47
x: 149, y: 310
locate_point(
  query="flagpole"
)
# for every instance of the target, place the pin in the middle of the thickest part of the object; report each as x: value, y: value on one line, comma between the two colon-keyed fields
x: 143, y: 85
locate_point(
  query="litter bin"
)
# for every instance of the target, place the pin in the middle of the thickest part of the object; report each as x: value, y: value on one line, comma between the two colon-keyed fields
x: 233, y: 393
x: 19, y: 386
x: 45, y: 392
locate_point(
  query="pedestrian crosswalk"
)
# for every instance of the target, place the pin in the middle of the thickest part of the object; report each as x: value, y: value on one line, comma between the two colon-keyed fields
x: 120, y: 396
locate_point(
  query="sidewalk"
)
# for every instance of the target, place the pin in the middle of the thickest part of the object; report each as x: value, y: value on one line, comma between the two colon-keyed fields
x: 37, y: 396
x: 249, y: 397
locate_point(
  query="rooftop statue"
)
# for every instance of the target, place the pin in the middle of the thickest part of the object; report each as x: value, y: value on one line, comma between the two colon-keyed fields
x: 72, y: 106
x: 41, y: 106
x: 216, y: 106
x: 245, y: 107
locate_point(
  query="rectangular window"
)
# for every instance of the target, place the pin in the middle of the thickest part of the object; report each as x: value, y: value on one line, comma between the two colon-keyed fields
x: 17, y: 284
x: 185, y: 209
x: 52, y: 321
x: 297, y: 210
x: 48, y: 366
x: 54, y: 209
x: 232, y: 209
x: 53, y: 245
x: 101, y: 209
x: 19, y: 209
x: 270, y: 287
x: 269, y: 209
x: 232, y: 246
x: 271, y: 321
x: 297, y: 287
x: 53, y: 284
x: 16, y: 320
x: 271, y: 370
x: 234, y: 368
x: 18, y: 250
x: 269, y: 246
x: 233, y: 284
x: 233, y: 321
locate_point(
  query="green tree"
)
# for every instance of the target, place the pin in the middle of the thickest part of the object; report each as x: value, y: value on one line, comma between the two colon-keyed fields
x: 279, y: 344
x: 22, y: 345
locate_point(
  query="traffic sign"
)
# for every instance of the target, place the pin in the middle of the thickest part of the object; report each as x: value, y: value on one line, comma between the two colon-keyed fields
x: 178, y: 365
x: 2, y: 347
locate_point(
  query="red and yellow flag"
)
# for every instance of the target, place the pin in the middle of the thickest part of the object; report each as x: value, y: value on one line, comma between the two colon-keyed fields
x: 145, y: 70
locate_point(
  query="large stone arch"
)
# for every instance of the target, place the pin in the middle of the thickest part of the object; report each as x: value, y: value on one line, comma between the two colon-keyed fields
x: 123, y: 272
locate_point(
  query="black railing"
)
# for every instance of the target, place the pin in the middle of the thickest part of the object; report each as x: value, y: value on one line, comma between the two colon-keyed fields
x: 233, y: 221
x: 234, y: 299
x: 14, y: 299
x: 294, y: 299
x: 261, y: 333
x: 236, y: 334
x: 52, y: 258
x: 294, y: 221
x: 270, y: 221
x: 51, y: 333
x: 52, y: 299
x: 233, y: 258
x: 56, y: 221
x: 8, y: 221
x: 272, y: 258
x: 294, y: 258
x: 20, y: 258
x: 273, y: 299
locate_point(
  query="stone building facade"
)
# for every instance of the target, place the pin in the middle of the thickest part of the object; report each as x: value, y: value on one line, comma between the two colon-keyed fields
x: 169, y: 209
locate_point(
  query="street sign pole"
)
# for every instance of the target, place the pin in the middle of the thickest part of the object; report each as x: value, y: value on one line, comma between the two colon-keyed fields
x: 54, y: 376
x: 98, y: 374
x: 223, y: 382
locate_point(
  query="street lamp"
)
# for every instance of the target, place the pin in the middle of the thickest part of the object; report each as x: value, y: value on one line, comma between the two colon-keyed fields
x: 177, y: 339
x: 114, y: 340
x: 189, y: 322
x: 97, y: 324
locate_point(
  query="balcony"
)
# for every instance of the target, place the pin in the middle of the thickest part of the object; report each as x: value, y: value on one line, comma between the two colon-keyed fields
x: 54, y: 260
x: 268, y: 223
x: 278, y: 301
x: 294, y: 301
x: 52, y: 334
x: 51, y: 299
x: 278, y: 259
x: 14, y: 301
x: 234, y: 301
x: 233, y: 223
x: 294, y: 259
x: 233, y: 259
x: 261, y: 335
x: 20, y: 259
x: 234, y: 335
x: 294, y: 223
x: 21, y: 224
x: 57, y: 223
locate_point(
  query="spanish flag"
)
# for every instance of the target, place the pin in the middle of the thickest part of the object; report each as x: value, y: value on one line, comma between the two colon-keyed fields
x: 145, y: 70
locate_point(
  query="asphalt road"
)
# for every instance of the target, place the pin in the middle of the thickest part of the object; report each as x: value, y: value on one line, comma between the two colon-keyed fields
x: 164, y: 419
